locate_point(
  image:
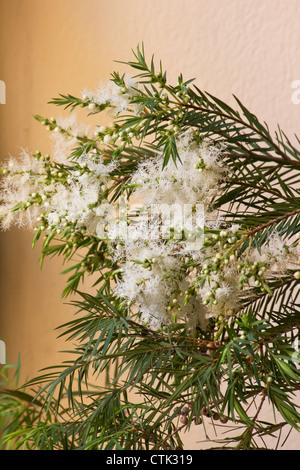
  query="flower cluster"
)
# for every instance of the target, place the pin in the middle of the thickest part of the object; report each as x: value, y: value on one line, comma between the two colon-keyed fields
x: 47, y: 195
x: 174, y: 277
x: 117, y: 96
x: 160, y: 250
x: 178, y: 261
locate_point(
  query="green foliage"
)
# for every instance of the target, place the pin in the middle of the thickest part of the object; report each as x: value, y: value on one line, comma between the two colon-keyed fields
x: 158, y: 384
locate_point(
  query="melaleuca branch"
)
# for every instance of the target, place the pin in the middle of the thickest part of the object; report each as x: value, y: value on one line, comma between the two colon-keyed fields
x: 197, y: 317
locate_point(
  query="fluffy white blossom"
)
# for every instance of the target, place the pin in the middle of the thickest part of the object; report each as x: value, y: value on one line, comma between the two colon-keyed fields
x: 53, y: 194
x: 155, y: 276
x: 170, y: 271
x: 275, y: 256
x: 109, y: 93
x: 65, y: 136
x: 193, y: 181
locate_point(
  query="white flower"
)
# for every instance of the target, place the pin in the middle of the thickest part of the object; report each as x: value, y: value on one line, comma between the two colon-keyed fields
x: 66, y: 137
x: 181, y: 183
x: 154, y: 268
x: 110, y: 94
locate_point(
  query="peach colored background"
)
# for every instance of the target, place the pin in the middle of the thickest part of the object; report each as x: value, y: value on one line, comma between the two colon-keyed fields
x: 242, y: 47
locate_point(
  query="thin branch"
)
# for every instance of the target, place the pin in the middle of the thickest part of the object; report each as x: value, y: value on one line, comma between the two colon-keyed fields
x: 249, y: 431
x: 260, y: 188
x: 265, y: 158
x: 272, y: 222
x: 285, y: 158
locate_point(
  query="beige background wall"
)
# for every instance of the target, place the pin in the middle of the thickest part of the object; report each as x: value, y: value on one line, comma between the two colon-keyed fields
x: 250, y: 48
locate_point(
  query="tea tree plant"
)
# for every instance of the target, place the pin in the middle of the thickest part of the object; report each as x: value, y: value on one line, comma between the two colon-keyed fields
x: 185, y: 212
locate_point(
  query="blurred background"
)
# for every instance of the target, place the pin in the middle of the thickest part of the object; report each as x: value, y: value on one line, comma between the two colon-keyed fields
x: 232, y: 47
